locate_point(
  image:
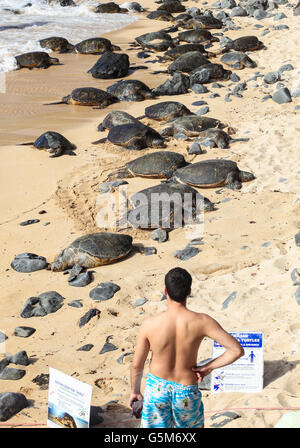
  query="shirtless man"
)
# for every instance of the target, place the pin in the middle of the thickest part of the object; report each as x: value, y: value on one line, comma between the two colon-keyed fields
x: 172, y: 397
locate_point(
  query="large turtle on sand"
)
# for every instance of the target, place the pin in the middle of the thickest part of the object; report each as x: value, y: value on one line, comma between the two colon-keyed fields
x: 134, y: 136
x: 148, y: 38
x: 213, y: 173
x: 116, y: 118
x: 207, y: 73
x: 92, y: 250
x: 217, y: 137
x: 95, y: 45
x: 130, y: 90
x: 179, y: 50
x: 53, y: 142
x: 196, y: 36
x: 208, y: 22
x: 88, y: 96
x: 191, y: 125
x: 159, y: 164
x: 162, y: 15
x: 166, y: 111
x: 237, y: 60
x: 244, y: 43
x: 188, y: 62
x: 57, y: 44
x: 167, y: 205
x: 35, y: 59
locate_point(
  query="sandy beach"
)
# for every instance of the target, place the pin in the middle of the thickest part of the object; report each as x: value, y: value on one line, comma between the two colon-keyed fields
x: 249, y: 239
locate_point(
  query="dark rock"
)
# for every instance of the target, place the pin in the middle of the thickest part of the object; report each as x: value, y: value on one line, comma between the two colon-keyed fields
x: 186, y: 253
x: 29, y: 221
x: 76, y: 304
x: 238, y: 11
x: 28, y: 262
x: 3, y: 337
x: 203, y: 110
x: 285, y: 68
x: 139, y: 302
x: 110, y: 65
x: 45, y: 303
x: 19, y: 358
x: 11, y: 374
x: 106, y: 291
x: 10, y: 404
x: 82, y: 279
x: 271, y: 77
x: 296, y: 10
x: 229, y: 299
x: 234, y: 77
x: 85, y: 348
x: 108, y: 347
x: 160, y: 235
x: 95, y: 418
x: 177, y: 85
x: 88, y: 316
x: 42, y: 380
x: 120, y: 359
x: 297, y: 239
x: 282, y: 96
x: 24, y: 332
x: 195, y: 148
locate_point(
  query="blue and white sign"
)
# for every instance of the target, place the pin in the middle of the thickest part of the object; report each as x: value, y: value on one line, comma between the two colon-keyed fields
x: 245, y: 374
x: 69, y: 401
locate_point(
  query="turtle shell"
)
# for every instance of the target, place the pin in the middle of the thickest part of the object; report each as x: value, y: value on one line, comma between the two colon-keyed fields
x: 245, y: 43
x: 193, y: 125
x: 237, y: 59
x: 167, y: 110
x: 103, y: 245
x: 58, y: 44
x: 208, y: 22
x: 208, y: 173
x: 131, y: 90
x: 116, y: 118
x: 96, y: 45
x: 208, y: 72
x: 34, y: 59
x: 90, y: 96
x: 179, y: 50
x: 195, y: 36
x: 156, y: 164
x: 51, y: 139
x: 135, y: 136
x: 188, y: 62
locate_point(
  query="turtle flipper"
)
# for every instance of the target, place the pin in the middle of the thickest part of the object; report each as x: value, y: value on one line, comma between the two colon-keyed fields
x: 102, y: 140
x: 25, y: 144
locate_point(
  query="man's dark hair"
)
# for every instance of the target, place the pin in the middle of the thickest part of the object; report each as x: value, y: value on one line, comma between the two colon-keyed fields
x: 178, y: 284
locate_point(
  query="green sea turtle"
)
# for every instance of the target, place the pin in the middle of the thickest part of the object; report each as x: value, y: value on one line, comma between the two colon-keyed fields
x: 92, y: 250
x: 167, y: 205
x: 213, y: 173
x: 35, y: 59
x: 88, y: 96
x: 191, y: 126
x: 188, y: 62
x: 95, y: 45
x: 116, y: 118
x: 208, y: 22
x: 179, y: 50
x: 245, y: 43
x: 196, y: 36
x: 109, y: 8
x: 57, y: 44
x: 172, y: 6
x: 166, y: 111
x: 53, y: 142
x: 237, y: 60
x: 207, y: 73
x: 130, y: 90
x: 154, y: 36
x: 135, y: 136
x: 163, y: 15
x: 218, y: 137
x: 159, y: 164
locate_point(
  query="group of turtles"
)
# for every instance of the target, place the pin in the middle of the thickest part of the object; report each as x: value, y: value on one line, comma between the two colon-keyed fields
x: 188, y: 56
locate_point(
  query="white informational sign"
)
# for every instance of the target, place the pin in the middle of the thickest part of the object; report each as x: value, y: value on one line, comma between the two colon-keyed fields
x: 69, y: 401
x: 246, y: 373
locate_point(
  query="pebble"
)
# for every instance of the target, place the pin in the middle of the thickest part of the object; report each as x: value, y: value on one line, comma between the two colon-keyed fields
x: 238, y: 11
x: 199, y: 88
x: 271, y: 77
x: 82, y: 279
x: 229, y: 299
x: 195, y: 148
x: 282, y: 96
x: 285, y: 68
x: 279, y: 16
x: 108, y: 347
x: 88, y: 316
x: 296, y: 93
x: 28, y: 222
x: 76, y: 304
x: 10, y: 404
x: 20, y: 358
x: 85, y: 348
x: 234, y: 77
x: 186, y: 253
x: 266, y: 97
x: 199, y: 103
x: 106, y: 291
x: 3, y: 337
x: 297, y: 295
x: 297, y: 239
x: 227, y: 97
x: 203, y: 111
x: 295, y: 276
x: 214, y: 95
x: 24, y: 332
x: 140, y: 302
x: 121, y: 358
x: 28, y: 262
x: 297, y: 107
x: 159, y: 235
x: 266, y: 244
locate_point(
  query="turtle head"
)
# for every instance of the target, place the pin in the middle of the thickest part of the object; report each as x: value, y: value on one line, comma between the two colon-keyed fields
x: 66, y: 99
x: 54, y: 61
x: 245, y: 176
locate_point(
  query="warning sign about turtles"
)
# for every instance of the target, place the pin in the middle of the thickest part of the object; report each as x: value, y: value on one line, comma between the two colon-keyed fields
x: 69, y: 401
x: 245, y: 374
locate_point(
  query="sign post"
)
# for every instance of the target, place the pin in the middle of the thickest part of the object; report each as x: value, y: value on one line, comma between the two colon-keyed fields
x: 69, y: 401
x: 246, y: 373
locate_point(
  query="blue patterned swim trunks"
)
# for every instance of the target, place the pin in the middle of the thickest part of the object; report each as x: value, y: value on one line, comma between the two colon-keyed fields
x: 171, y: 405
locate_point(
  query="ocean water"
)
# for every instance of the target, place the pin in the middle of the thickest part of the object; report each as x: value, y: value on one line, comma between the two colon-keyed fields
x: 20, y: 32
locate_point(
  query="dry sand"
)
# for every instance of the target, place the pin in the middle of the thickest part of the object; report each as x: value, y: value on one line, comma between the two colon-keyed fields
x: 233, y: 257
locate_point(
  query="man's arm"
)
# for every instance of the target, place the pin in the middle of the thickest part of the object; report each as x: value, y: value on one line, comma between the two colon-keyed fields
x: 233, y: 349
x: 138, y: 362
